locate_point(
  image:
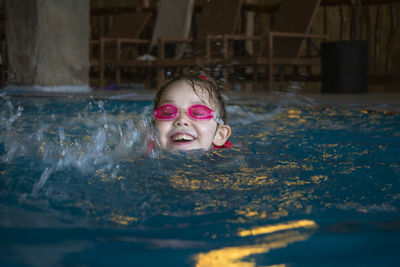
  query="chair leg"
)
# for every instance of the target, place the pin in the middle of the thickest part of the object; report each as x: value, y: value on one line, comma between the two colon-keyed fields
x: 271, y: 77
x: 148, y: 78
x: 281, y: 76
x: 226, y: 78
x: 255, y: 77
x: 160, y: 77
x: 101, y: 75
x: 101, y: 62
x: 118, y: 76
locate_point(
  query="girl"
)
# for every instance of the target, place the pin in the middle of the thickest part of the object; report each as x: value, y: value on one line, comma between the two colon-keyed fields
x: 189, y: 113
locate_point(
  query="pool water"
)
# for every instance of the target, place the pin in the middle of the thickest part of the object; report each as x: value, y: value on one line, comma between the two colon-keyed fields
x: 304, y: 186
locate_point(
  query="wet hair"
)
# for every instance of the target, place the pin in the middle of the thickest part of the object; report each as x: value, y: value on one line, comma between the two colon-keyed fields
x: 198, y: 82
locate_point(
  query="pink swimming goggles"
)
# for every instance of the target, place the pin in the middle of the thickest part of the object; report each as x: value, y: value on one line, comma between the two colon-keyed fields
x: 196, y: 112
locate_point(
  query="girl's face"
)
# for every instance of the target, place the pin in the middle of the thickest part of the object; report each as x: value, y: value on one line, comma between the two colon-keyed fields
x: 183, y: 133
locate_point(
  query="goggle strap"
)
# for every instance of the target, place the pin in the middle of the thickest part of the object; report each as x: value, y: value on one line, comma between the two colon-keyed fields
x: 218, y: 119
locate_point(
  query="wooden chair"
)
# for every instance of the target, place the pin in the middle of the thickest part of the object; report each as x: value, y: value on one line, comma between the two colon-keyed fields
x: 107, y: 50
x: 218, y: 18
x: 286, y: 40
x: 173, y: 21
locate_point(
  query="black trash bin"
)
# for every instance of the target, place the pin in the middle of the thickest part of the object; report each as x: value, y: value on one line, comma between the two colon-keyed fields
x: 344, y: 67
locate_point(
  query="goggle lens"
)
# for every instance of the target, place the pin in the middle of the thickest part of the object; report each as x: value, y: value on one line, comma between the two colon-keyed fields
x: 166, y: 112
x: 200, y: 112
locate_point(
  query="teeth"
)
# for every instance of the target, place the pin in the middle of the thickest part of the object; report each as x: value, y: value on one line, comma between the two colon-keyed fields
x: 182, y: 137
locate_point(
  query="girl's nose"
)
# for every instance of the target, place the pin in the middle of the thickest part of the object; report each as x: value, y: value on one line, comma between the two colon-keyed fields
x: 182, y: 120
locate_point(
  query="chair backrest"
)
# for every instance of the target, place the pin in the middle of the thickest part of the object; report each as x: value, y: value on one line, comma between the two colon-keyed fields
x: 297, y: 17
x: 174, y: 20
x: 129, y: 25
x: 218, y: 17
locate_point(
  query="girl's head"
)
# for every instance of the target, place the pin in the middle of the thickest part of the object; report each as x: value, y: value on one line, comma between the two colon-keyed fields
x: 190, y: 114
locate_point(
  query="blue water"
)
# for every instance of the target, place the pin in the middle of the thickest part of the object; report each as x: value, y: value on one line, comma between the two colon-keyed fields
x: 304, y: 186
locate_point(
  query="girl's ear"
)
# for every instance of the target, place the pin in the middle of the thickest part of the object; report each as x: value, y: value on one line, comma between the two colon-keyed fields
x: 222, y: 134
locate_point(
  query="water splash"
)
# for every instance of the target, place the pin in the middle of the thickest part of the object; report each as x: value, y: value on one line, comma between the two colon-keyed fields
x: 43, y: 179
x: 90, y: 136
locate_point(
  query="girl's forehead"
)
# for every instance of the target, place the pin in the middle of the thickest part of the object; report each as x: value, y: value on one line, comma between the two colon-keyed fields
x: 183, y: 92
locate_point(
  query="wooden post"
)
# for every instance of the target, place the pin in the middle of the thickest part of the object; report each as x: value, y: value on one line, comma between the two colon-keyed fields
x: 117, y: 65
x: 102, y: 67
x: 271, y: 61
x: 393, y: 25
x: 161, y: 57
x: 378, y: 34
x: 342, y: 22
x: 356, y: 18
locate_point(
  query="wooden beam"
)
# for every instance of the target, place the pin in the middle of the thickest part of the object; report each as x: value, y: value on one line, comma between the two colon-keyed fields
x: 258, y: 8
x: 349, y: 2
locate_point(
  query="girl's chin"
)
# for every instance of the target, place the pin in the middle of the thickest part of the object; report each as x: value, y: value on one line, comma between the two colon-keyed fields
x: 183, y: 146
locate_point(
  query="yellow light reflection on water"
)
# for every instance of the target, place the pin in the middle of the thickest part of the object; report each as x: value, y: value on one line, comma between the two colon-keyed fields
x: 234, y: 256
x: 278, y: 227
x: 121, y: 219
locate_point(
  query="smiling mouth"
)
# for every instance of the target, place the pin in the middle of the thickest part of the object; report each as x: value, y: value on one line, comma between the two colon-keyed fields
x: 182, y: 138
